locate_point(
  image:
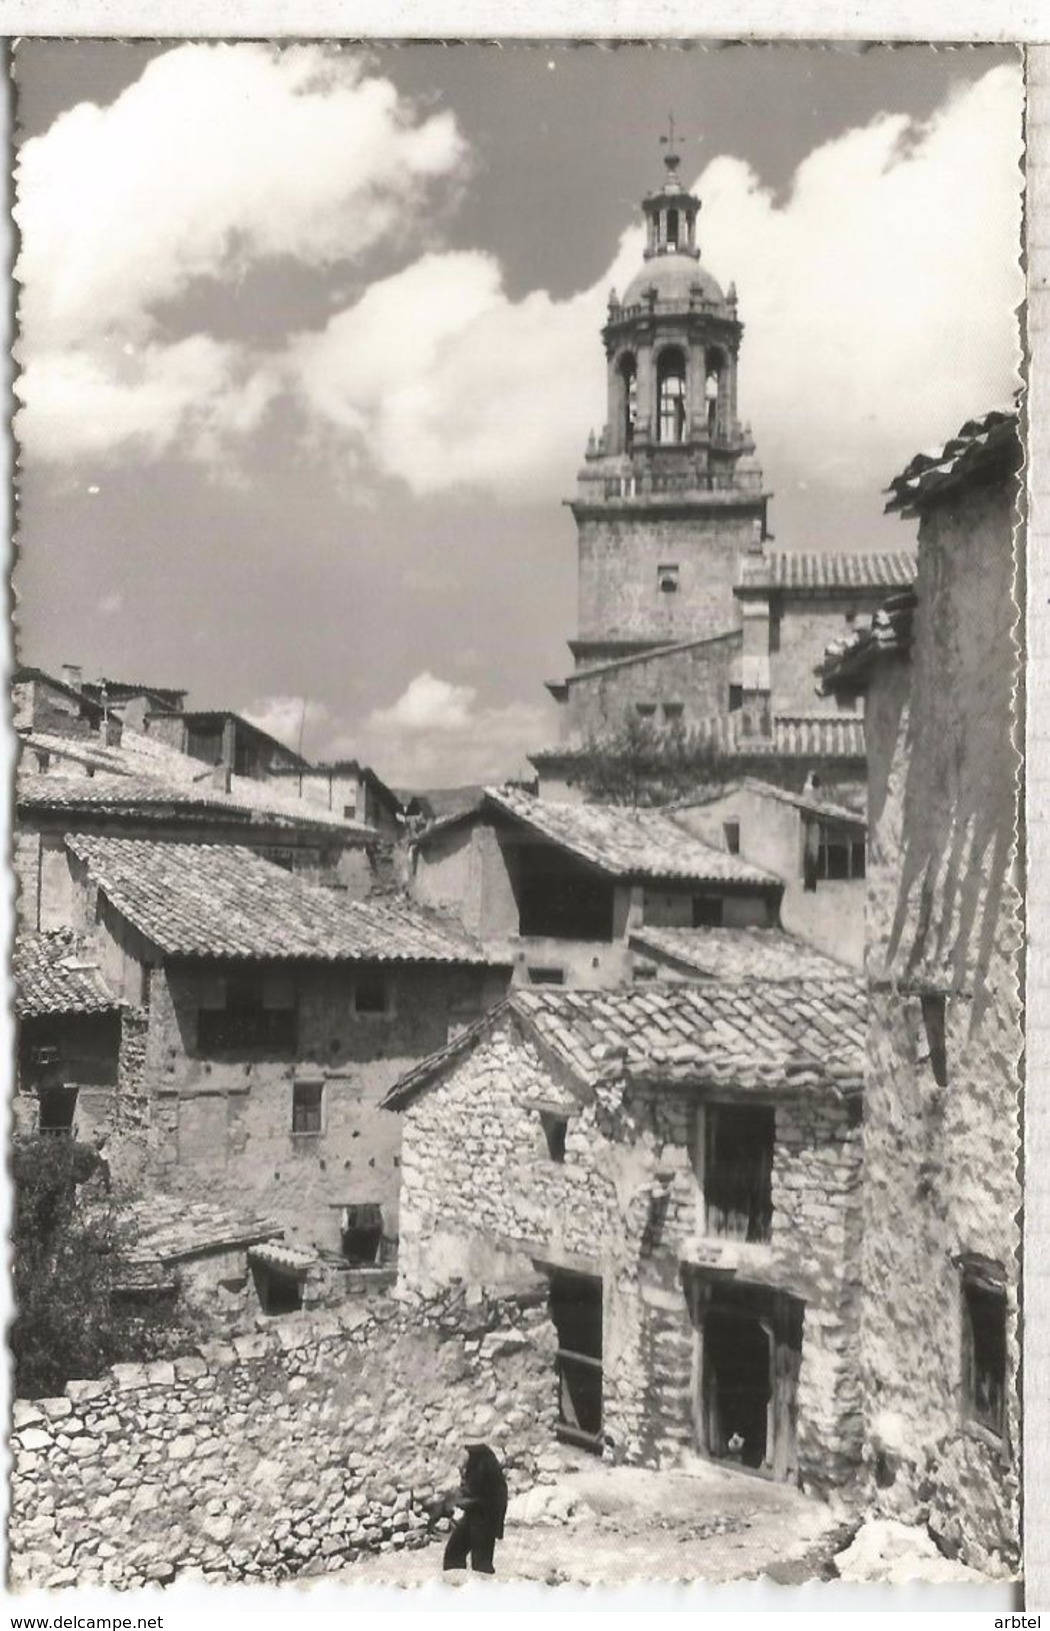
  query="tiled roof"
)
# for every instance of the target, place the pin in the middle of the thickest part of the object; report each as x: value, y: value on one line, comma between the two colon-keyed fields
x: 979, y: 447
x: 849, y: 660
x: 53, y: 977
x: 158, y: 798
x: 627, y: 843
x: 809, y: 571
x: 219, y: 900
x: 169, y: 1227
x: 757, y: 1036
x: 793, y: 736
x: 738, y: 954
x: 813, y: 802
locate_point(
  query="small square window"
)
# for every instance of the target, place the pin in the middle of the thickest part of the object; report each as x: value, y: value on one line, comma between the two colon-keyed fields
x: 307, y: 1107
x: 371, y: 994
x: 707, y: 911
x: 667, y: 578
x: 731, y: 836
x: 645, y: 710
x: 349, y: 812
x: 984, y: 1349
x: 674, y: 712
x: 555, y: 1128
x: 643, y: 971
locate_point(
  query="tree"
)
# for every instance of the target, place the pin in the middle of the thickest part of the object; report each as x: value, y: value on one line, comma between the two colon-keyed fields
x: 67, y: 1255
x: 640, y: 764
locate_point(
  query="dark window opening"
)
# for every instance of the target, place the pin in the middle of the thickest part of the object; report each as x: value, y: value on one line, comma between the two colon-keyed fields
x: 667, y: 578
x: 984, y: 1352
x: 707, y: 911
x: 362, y: 1233
x: 555, y: 1128
x: 711, y: 391
x: 349, y: 812
x: 736, y: 698
x: 645, y: 710
x: 629, y: 379
x: 546, y: 976
x: 58, y: 1108
x: 833, y: 854
x: 731, y: 835
x: 371, y: 994
x: 558, y: 898
x: 672, y: 229
x: 774, y: 630
x: 673, y: 712
x: 576, y: 1309
x: 307, y: 1107
x: 643, y: 971
x: 671, y: 397
x: 279, y: 855
x: 738, y: 1171
x: 278, y: 1293
x: 934, y: 1015
x: 254, y: 1013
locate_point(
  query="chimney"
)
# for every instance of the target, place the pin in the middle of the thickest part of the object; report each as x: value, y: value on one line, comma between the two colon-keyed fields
x: 72, y: 675
x: 220, y: 778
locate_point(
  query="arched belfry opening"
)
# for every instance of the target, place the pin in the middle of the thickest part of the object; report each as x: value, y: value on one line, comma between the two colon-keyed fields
x: 713, y: 389
x: 670, y: 396
x: 628, y: 400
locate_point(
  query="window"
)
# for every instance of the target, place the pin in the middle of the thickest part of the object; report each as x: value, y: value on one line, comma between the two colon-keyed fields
x: 371, y: 994
x: 361, y: 1231
x: 833, y: 853
x: 738, y: 1172
x: 546, y: 976
x: 711, y: 400
x: 673, y: 713
x: 645, y: 710
x: 58, y: 1108
x: 672, y: 229
x: 934, y: 1014
x: 707, y: 911
x: 350, y: 812
x: 555, y: 1128
x: 307, y: 1107
x: 248, y: 1011
x: 984, y: 1345
x: 629, y: 398
x: 731, y: 836
x: 643, y: 971
x: 736, y: 698
x: 670, y: 389
x: 667, y: 578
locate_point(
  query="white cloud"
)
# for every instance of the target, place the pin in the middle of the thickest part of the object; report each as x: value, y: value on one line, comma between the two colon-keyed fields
x: 217, y: 159
x: 437, y: 734
x: 284, y: 718
x: 878, y: 298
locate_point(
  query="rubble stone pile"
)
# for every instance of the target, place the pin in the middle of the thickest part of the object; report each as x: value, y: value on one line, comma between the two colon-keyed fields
x: 291, y: 1451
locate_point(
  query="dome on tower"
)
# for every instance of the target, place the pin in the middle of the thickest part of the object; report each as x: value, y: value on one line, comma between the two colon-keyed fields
x: 673, y: 277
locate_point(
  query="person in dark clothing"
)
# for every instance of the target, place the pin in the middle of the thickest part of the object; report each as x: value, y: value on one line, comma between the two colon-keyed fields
x: 483, y: 1498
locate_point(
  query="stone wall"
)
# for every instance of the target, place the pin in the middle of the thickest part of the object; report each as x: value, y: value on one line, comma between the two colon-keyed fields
x: 697, y: 678
x: 806, y: 629
x: 227, y: 1119
x: 942, y: 1159
x: 295, y: 1450
x: 483, y: 1198
x: 618, y: 559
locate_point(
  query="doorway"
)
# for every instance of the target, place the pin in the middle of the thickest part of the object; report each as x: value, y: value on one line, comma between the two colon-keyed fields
x: 749, y: 1350
x: 576, y: 1309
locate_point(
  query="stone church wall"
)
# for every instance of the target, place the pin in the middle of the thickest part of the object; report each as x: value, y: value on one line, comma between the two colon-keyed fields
x: 697, y: 679
x: 619, y: 595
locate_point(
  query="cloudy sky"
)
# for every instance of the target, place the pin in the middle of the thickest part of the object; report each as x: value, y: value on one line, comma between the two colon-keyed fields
x: 310, y: 346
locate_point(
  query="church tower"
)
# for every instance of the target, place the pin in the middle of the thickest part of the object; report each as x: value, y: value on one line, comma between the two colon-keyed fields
x: 670, y: 495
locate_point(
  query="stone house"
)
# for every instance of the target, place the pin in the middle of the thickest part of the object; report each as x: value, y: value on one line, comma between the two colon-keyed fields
x: 274, y: 1015
x: 69, y: 1036
x: 556, y: 889
x: 130, y: 700
x: 315, y: 846
x: 684, y: 1168
x: 346, y: 788
x: 43, y: 702
x: 811, y: 840
x: 940, y: 1335
x: 218, y: 737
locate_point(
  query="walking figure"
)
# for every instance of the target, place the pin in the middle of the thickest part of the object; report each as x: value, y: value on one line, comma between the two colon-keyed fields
x: 483, y: 1498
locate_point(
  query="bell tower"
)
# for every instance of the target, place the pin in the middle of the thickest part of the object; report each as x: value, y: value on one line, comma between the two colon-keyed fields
x: 670, y: 495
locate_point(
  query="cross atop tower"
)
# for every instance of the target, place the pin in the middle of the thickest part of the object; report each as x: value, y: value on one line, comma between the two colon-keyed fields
x: 671, y: 141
